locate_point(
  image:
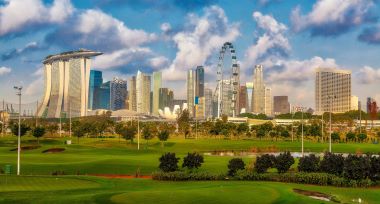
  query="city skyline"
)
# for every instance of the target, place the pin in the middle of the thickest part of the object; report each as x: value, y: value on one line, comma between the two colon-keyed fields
x: 273, y: 33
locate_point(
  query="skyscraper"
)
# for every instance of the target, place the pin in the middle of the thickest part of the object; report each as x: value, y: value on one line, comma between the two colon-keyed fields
x: 261, y: 95
x: 96, y: 81
x: 190, y: 83
x: 143, y: 83
x: 227, y: 97
x: 281, y: 105
x: 166, y: 98
x: 132, y: 94
x: 208, y: 103
x: 354, y: 103
x: 199, y: 81
x: 195, y: 92
x: 67, y: 77
x: 157, y: 83
x: 103, y: 97
x: 243, y: 100
x: 332, y: 90
x: 268, y: 102
x: 118, y: 94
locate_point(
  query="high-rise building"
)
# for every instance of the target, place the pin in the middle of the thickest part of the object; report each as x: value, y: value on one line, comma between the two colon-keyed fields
x: 67, y: 77
x: 166, y: 98
x: 281, y: 105
x: 371, y: 102
x: 96, y: 81
x: 332, y: 90
x: 118, y: 94
x: 354, y: 103
x: 227, y: 97
x: 157, y: 83
x: 132, y: 104
x: 261, y: 95
x: 143, y: 83
x: 243, y: 100
x: 199, y: 81
x: 190, y: 83
x: 103, y: 97
x: 208, y: 103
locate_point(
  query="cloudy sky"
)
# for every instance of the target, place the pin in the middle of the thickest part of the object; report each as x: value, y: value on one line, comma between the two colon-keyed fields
x: 290, y: 38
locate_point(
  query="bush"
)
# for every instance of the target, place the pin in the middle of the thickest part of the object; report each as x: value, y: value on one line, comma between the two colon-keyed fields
x: 192, y: 160
x: 283, y: 162
x: 264, y: 162
x: 350, y: 136
x: 309, y: 163
x: 234, y: 165
x: 187, y: 176
x: 168, y: 162
x: 362, y: 136
x: 356, y: 167
x: 375, y: 168
x: 335, y: 136
x: 332, y: 163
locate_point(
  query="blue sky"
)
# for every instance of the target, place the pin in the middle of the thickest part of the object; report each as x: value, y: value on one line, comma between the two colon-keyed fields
x: 290, y: 38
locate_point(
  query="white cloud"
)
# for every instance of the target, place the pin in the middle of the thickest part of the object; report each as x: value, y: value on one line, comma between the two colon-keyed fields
x: 158, y: 62
x: 368, y: 75
x: 332, y: 17
x: 5, y: 70
x: 202, y: 38
x: 165, y: 27
x: 17, y: 15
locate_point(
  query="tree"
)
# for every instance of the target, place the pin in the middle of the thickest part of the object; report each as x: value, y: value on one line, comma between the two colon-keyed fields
x: 183, y: 121
x: 23, y: 129
x: 38, y: 132
x: 332, y: 163
x: 242, y: 128
x: 129, y: 133
x: 335, y: 136
x: 350, y: 136
x: 283, y: 162
x: 163, y: 136
x: 234, y: 165
x: 375, y: 168
x: 78, y: 131
x: 119, y: 129
x: 264, y: 162
x: 260, y: 133
x: 273, y: 134
x: 168, y: 162
x: 309, y: 163
x: 362, y: 137
x: 192, y: 160
x: 147, y: 134
x: 356, y: 167
x: 285, y: 134
x: 52, y: 128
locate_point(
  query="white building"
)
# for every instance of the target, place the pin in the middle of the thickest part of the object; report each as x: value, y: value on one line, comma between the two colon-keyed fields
x: 143, y: 83
x: 262, y: 101
x: 354, y: 103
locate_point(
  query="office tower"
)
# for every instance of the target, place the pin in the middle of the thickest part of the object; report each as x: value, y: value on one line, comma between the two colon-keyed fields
x: 208, y: 103
x: 157, y: 83
x: 371, y: 102
x: 227, y: 98
x: 143, y: 82
x: 67, y: 77
x: 166, y: 98
x: 281, y: 105
x: 354, y: 103
x: 118, y: 94
x: 249, y: 86
x: 199, y: 81
x: 258, y: 94
x: 190, y: 83
x: 268, y: 102
x: 96, y: 81
x: 243, y: 100
x: 332, y: 90
x: 132, y: 104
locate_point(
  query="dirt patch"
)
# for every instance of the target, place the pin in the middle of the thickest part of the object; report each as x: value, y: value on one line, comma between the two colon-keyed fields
x: 30, y: 147
x: 316, y: 195
x: 122, y: 176
x: 54, y: 150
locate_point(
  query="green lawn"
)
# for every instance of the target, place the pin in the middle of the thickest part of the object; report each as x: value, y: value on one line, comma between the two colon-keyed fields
x: 32, y: 189
x: 108, y: 156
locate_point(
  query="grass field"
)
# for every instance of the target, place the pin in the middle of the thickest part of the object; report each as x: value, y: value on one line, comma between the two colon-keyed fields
x: 108, y: 156
x: 67, y: 189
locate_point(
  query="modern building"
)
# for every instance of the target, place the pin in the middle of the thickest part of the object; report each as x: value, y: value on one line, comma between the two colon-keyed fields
x: 261, y: 95
x: 66, y: 88
x: 96, y: 81
x: 143, y: 83
x: 118, y: 94
x: 268, y: 102
x: 199, y: 81
x: 281, y: 105
x: 190, y: 84
x: 103, y: 97
x: 354, y: 103
x: 208, y: 103
x: 132, y: 103
x: 166, y: 97
x: 243, y: 100
x: 227, y: 97
x: 332, y: 90
x: 157, y: 83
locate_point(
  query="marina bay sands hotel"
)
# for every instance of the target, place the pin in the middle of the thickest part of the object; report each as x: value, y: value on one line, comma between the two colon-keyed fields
x: 67, y: 78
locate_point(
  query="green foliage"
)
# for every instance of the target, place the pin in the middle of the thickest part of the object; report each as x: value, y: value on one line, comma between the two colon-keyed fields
x: 296, y: 115
x: 350, y: 136
x: 309, y: 163
x: 23, y: 129
x: 375, y: 168
x: 146, y: 133
x: 52, y: 128
x: 285, y: 134
x: 332, y: 163
x: 260, y: 116
x: 129, y: 133
x: 187, y: 176
x: 242, y: 128
x: 168, y: 162
x: 283, y: 162
x: 335, y: 136
x: 183, y: 121
x: 163, y: 135
x: 38, y: 132
x: 264, y: 162
x: 192, y: 161
x: 234, y: 165
x: 362, y: 136
x: 356, y: 167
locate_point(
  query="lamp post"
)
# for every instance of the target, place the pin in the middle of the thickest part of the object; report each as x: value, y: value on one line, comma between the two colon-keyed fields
x: 331, y: 97
x: 302, y: 131
x: 19, y: 88
x: 322, y: 127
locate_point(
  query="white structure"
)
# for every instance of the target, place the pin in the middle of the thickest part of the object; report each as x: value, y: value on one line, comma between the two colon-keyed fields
x: 268, y: 102
x: 143, y: 93
x: 190, y: 83
x: 354, y: 103
x: 67, y: 77
x: 157, y: 83
x: 262, y: 101
x: 332, y: 90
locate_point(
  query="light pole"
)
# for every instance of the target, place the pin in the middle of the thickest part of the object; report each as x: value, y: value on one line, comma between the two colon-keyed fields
x: 19, y: 88
x: 331, y: 100
x: 322, y: 127
x: 360, y: 117
x: 292, y: 124
x: 302, y: 131
x: 138, y: 133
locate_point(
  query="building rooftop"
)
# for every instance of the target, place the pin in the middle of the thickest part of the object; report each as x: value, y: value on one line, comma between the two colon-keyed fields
x: 333, y: 70
x: 71, y: 54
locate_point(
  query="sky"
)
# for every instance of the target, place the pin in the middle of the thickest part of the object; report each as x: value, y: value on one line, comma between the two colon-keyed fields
x: 289, y: 38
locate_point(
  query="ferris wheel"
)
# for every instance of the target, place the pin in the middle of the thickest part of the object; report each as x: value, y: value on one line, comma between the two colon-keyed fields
x: 226, y: 107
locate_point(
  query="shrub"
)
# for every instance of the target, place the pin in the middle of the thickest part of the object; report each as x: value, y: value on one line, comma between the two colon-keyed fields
x: 168, y: 162
x: 362, y: 136
x: 283, y: 162
x: 187, y: 176
x: 335, y: 136
x: 332, y: 163
x: 192, y: 160
x: 356, y: 167
x: 264, y: 162
x: 234, y: 165
x: 350, y: 136
x: 375, y: 168
x: 309, y: 163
